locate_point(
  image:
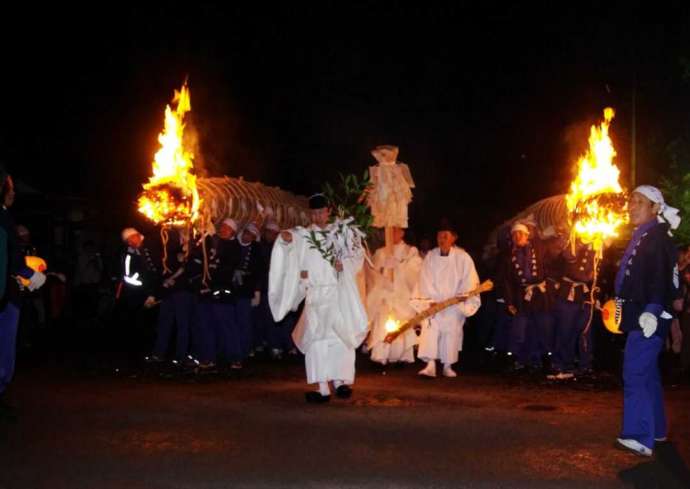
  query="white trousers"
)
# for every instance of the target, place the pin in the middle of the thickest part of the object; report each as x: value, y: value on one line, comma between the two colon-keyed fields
x: 329, y: 359
x: 441, y: 339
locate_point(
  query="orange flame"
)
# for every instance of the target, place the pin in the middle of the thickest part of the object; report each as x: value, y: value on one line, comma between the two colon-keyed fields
x: 171, y: 196
x: 392, y: 325
x: 596, y: 201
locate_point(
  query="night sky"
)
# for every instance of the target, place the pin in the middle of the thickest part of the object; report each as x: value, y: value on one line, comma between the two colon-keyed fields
x: 489, y: 107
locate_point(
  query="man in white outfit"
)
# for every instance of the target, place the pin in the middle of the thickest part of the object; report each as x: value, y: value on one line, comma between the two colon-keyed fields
x: 333, y: 323
x: 447, y: 271
x: 394, y: 281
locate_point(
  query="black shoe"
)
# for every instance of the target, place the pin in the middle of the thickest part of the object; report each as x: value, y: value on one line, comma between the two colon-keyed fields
x: 314, y: 397
x: 344, y: 392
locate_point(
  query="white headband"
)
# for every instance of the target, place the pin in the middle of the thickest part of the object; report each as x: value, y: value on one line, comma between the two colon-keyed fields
x: 251, y: 227
x: 670, y: 214
x: 230, y: 222
x: 518, y: 226
x: 127, y: 232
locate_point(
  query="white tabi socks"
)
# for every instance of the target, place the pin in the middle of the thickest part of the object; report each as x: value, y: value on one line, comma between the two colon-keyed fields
x: 323, y: 389
x: 448, y: 371
x: 429, y: 370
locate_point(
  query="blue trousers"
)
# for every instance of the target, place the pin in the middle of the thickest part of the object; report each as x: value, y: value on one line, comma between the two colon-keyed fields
x: 204, y: 338
x: 175, y: 313
x: 243, y: 316
x: 643, y: 405
x: 9, y: 319
x: 570, y: 319
x: 232, y: 325
x: 278, y: 335
x: 502, y: 328
x: 531, y: 336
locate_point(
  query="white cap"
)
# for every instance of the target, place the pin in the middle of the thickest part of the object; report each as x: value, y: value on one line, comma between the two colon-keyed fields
x: 518, y: 226
x: 230, y: 222
x: 129, y: 232
x: 670, y: 214
x: 251, y: 227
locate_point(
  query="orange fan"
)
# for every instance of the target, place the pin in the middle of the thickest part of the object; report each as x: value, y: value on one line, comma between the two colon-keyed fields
x: 35, y: 263
x: 611, y: 315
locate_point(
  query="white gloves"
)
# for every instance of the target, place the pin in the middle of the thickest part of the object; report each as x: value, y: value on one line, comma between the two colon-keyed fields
x: 36, y: 281
x: 648, y: 323
x: 257, y: 298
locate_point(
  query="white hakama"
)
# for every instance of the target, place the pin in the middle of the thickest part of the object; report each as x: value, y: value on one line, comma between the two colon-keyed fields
x: 389, y: 297
x: 333, y: 323
x: 441, y: 278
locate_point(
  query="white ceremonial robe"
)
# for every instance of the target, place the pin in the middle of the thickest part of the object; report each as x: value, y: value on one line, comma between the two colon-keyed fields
x: 390, y: 297
x: 441, y: 278
x: 334, y: 322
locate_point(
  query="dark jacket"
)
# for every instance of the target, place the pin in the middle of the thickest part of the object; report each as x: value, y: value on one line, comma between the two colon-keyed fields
x: 249, y: 274
x: 12, y: 262
x: 575, y: 269
x: 522, y: 268
x: 140, y: 274
x: 650, y: 279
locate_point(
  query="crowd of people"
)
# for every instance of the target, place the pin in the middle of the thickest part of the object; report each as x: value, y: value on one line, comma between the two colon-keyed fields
x: 211, y: 303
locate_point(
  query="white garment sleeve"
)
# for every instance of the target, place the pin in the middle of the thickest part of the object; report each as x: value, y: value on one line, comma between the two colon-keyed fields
x: 470, y: 281
x: 427, y: 288
x: 285, y: 291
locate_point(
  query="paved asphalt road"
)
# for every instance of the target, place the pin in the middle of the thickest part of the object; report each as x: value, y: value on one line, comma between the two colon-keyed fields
x: 83, y: 425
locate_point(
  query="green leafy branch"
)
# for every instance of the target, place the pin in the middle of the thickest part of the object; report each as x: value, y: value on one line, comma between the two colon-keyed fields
x: 349, y: 200
x: 328, y: 252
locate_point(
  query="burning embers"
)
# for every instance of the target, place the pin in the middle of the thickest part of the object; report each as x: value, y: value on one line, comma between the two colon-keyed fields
x: 171, y: 196
x: 596, y: 202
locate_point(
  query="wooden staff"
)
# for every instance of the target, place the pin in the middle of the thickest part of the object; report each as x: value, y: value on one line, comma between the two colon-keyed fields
x: 485, y: 286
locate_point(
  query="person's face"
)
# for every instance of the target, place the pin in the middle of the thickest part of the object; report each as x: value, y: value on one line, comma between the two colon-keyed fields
x: 398, y: 235
x: 320, y: 216
x: 520, y: 238
x: 226, y: 232
x: 135, y: 240
x: 445, y: 240
x: 270, y: 235
x: 9, y: 194
x: 641, y: 209
x: 248, y: 236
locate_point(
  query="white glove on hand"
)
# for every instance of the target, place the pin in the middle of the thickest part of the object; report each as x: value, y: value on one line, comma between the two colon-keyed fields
x: 256, y: 299
x: 36, y: 281
x: 648, y: 323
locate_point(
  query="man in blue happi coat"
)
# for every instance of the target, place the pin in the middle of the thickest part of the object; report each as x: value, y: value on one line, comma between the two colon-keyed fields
x: 572, y: 309
x: 12, y: 269
x: 646, y: 285
x: 527, y: 299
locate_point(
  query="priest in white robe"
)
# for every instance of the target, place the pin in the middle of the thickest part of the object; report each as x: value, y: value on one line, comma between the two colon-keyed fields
x: 393, y: 283
x: 447, y: 271
x: 333, y: 323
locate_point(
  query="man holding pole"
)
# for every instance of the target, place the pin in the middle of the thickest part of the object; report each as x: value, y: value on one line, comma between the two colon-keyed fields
x: 646, y: 285
x: 447, y: 271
